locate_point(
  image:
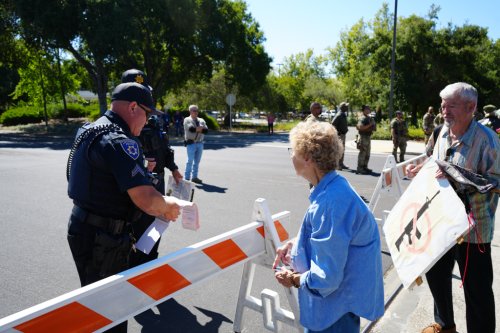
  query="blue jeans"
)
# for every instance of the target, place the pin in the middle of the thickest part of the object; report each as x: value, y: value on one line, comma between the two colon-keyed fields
x: 194, y: 152
x: 348, y: 323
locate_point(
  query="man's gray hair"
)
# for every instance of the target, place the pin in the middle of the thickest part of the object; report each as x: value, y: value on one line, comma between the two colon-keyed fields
x: 313, y: 104
x: 461, y: 89
x: 193, y: 106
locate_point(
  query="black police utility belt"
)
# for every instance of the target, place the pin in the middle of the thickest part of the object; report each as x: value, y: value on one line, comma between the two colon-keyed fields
x: 113, y: 226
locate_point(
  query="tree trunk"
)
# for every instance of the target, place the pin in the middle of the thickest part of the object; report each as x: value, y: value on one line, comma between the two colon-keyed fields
x: 44, y: 94
x: 61, y: 84
x: 98, y: 75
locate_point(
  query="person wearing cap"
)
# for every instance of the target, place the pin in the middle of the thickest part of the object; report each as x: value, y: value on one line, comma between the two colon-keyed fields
x: 154, y: 138
x: 137, y: 76
x: 428, y: 123
x: 399, y: 133
x: 157, y: 150
x: 195, y: 129
x: 110, y: 188
x: 340, y: 124
x: 470, y: 145
x: 316, y: 110
x: 366, y: 126
x: 491, y: 117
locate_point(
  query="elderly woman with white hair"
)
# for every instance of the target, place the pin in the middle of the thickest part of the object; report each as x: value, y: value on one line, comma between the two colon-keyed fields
x: 335, y: 260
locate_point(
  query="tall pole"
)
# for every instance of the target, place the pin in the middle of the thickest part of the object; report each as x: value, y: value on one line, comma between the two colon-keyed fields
x: 279, y: 69
x: 393, y: 59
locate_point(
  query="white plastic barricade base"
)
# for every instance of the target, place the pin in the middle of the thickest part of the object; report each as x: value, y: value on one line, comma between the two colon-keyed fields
x: 108, y: 302
x: 389, y: 182
x: 268, y: 304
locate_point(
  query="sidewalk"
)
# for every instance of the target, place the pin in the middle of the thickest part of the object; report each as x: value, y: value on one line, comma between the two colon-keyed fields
x: 385, y: 147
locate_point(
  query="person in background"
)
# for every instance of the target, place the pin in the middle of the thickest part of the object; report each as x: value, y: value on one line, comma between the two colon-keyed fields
x: 478, y: 114
x: 270, y: 123
x: 428, y: 123
x: 335, y: 260
x: 178, y: 123
x: 195, y: 129
x: 340, y: 124
x: 110, y: 188
x: 473, y: 146
x: 366, y: 126
x: 399, y: 133
x: 315, y: 109
x: 439, y: 120
x: 154, y: 136
x: 491, y: 117
x: 157, y: 151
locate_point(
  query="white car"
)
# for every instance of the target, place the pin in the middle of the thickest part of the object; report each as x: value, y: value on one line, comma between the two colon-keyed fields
x: 328, y: 115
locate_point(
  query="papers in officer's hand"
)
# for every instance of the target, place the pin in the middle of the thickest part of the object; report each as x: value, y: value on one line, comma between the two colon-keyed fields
x: 189, y: 215
x: 189, y: 219
x: 184, y: 190
x: 151, y: 235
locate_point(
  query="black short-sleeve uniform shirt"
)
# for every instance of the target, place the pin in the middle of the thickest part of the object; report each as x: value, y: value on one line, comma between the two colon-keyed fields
x: 104, y: 167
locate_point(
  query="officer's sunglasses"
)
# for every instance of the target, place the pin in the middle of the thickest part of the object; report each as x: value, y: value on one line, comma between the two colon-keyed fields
x: 148, y: 111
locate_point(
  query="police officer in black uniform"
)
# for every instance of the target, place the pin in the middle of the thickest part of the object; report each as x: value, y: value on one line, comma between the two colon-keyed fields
x: 110, y: 188
x: 156, y: 147
x: 154, y: 136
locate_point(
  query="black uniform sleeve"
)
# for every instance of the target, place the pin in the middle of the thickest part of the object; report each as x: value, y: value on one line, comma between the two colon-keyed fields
x: 125, y: 160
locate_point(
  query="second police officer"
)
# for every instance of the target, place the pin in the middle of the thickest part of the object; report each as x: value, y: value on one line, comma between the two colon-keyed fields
x: 155, y: 143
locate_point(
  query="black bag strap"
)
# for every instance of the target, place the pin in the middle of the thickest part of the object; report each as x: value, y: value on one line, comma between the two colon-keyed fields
x: 435, y: 133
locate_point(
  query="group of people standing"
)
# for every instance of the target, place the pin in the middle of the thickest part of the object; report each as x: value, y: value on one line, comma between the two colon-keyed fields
x: 335, y: 260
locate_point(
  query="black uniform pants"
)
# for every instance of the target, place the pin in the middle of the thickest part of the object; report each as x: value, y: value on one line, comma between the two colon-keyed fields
x: 82, y: 242
x: 138, y: 257
x: 478, y: 290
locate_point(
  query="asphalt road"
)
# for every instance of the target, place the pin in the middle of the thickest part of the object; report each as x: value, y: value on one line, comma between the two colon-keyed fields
x: 36, y: 264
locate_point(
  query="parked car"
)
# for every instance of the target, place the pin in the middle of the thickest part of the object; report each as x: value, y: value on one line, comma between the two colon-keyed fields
x: 326, y: 115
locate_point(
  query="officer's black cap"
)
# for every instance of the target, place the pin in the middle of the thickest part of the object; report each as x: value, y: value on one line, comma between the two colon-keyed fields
x: 133, y: 92
x: 137, y: 76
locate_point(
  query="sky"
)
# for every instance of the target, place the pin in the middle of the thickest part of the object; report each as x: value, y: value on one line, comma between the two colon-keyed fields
x: 293, y: 26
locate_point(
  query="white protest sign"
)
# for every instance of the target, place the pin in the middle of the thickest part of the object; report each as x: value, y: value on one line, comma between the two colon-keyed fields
x: 424, y: 224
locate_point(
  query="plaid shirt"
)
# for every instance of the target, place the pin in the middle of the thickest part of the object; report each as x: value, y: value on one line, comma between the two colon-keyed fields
x: 478, y: 151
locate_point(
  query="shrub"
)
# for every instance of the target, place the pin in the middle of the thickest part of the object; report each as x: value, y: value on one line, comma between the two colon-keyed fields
x: 211, y: 122
x: 21, y: 115
x: 72, y: 111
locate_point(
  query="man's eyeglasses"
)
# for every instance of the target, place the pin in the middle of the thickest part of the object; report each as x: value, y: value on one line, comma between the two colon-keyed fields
x: 290, y: 151
x: 148, y: 111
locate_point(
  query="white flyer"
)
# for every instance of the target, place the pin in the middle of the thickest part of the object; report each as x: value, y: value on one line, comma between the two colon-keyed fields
x: 189, y: 219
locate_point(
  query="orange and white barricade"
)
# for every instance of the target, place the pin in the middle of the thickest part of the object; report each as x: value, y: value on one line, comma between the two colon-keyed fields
x: 108, y: 302
x: 390, y: 178
x: 269, y: 303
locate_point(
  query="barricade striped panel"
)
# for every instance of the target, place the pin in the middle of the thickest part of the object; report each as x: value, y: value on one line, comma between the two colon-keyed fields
x: 103, y: 304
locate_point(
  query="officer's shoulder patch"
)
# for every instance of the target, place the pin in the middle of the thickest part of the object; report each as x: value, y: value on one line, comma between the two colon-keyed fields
x: 130, y: 147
